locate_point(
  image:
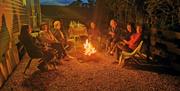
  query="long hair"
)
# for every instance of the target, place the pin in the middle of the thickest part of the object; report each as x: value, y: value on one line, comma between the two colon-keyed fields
x: 24, y: 34
x: 27, y: 40
x: 24, y: 29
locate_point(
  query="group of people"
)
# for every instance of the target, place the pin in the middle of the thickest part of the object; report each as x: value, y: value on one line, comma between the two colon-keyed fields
x: 54, y: 38
x: 123, y: 40
x: 119, y: 39
x: 53, y: 41
x: 49, y: 44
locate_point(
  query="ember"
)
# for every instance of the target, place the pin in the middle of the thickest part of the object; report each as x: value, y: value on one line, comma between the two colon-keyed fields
x: 89, y: 48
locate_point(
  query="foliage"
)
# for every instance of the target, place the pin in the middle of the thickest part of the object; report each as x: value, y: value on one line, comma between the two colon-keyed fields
x: 165, y: 12
x: 162, y: 12
x: 91, y: 2
x: 76, y: 3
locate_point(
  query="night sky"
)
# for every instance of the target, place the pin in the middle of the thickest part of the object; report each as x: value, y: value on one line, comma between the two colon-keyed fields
x: 59, y: 2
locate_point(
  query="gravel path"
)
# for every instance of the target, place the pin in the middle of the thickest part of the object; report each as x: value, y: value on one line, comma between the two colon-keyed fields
x: 96, y: 73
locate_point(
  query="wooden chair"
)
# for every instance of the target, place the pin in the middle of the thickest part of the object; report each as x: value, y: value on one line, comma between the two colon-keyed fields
x: 127, y: 55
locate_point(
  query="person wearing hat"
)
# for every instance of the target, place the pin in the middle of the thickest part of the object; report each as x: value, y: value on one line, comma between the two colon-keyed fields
x: 49, y: 41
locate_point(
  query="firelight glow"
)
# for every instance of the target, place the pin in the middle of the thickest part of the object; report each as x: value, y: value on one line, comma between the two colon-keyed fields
x: 89, y: 49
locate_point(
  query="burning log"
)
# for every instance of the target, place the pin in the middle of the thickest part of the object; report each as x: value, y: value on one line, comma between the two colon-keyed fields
x: 89, y: 48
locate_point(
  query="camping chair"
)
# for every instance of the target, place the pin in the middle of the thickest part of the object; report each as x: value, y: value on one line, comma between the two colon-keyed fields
x: 127, y: 55
x: 33, y: 53
x: 43, y: 56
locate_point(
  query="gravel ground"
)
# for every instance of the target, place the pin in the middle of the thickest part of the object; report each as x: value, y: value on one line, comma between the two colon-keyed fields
x: 95, y: 73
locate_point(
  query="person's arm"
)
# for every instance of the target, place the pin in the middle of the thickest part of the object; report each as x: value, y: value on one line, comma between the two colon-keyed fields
x: 110, y: 32
x: 134, y: 38
x: 125, y: 41
x: 44, y: 38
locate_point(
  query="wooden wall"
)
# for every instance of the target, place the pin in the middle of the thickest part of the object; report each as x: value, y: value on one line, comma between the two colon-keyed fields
x: 13, y: 14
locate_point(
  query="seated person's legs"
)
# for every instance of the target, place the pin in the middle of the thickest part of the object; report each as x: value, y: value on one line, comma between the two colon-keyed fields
x: 68, y: 45
x: 125, y: 48
x: 60, y: 49
x: 122, y: 47
x: 48, y: 55
x: 114, y: 45
x: 110, y: 40
x: 118, y: 53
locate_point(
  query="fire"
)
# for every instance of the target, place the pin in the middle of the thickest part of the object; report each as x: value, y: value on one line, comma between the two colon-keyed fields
x: 89, y: 49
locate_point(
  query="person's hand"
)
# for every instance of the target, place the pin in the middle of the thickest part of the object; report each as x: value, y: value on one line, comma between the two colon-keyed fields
x: 109, y: 33
x: 125, y: 41
x: 112, y: 33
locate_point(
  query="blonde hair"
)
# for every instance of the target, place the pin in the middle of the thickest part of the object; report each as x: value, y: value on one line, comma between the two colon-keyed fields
x: 55, y: 23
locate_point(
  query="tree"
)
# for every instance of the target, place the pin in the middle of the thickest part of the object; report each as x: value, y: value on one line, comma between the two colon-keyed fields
x: 91, y: 2
x: 123, y: 10
x: 76, y: 3
x: 164, y: 11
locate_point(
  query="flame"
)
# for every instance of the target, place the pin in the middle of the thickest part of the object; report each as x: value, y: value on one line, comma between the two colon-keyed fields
x: 89, y: 49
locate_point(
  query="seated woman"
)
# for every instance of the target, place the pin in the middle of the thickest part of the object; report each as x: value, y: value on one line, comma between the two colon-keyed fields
x: 134, y: 40
x: 114, y: 32
x: 130, y: 29
x: 60, y: 36
x: 58, y: 32
x: 125, y: 35
x: 49, y: 41
x: 29, y: 42
x: 132, y: 43
x: 94, y: 34
x: 33, y: 50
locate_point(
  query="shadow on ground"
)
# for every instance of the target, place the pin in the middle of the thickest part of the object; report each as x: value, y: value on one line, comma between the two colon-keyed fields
x: 160, y: 69
x: 40, y: 80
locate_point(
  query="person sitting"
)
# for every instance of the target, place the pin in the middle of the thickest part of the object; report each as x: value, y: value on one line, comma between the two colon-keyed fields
x: 134, y: 39
x: 125, y: 36
x: 32, y: 47
x: 114, y: 34
x: 45, y: 35
x: 60, y: 36
x: 58, y: 32
x: 132, y: 43
x: 28, y: 41
x: 49, y: 41
x: 130, y: 30
x: 94, y: 34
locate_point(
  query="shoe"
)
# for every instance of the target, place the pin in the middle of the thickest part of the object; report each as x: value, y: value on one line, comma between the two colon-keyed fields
x: 111, y: 53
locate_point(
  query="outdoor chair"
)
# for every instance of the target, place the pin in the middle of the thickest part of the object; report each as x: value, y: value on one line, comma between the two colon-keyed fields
x: 34, y: 52
x: 127, y: 55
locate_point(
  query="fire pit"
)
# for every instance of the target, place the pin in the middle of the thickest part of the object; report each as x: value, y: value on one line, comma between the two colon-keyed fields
x: 85, y: 52
x: 89, y: 48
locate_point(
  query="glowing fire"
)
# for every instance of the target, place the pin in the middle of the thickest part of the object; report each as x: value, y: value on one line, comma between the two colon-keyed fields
x: 89, y: 49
